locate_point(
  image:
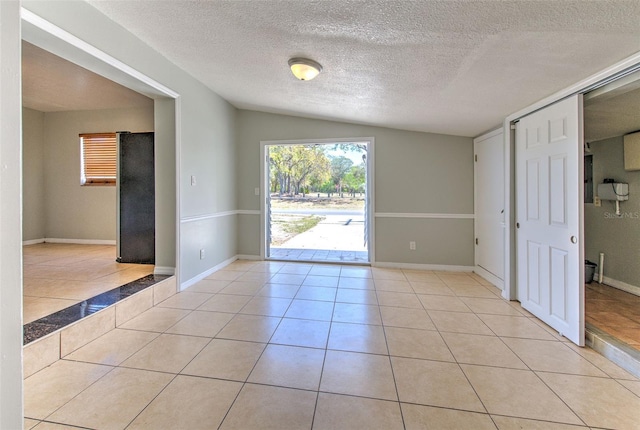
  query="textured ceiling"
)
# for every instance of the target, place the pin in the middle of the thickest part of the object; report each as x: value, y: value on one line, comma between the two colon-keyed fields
x: 614, y: 113
x: 456, y: 67
x: 51, y: 84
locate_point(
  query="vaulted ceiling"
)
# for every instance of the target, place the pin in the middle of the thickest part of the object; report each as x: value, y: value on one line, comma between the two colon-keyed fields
x: 445, y: 66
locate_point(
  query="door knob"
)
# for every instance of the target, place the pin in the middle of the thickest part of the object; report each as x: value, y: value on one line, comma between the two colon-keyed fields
x: 574, y: 239
x: 517, y: 225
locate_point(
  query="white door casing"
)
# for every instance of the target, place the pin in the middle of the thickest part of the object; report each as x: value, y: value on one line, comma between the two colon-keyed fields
x: 489, y: 205
x: 549, y: 224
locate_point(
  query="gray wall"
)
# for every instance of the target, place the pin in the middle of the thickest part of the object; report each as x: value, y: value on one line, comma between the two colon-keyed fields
x: 73, y: 211
x: 414, y: 173
x: 33, y: 183
x: 617, y: 237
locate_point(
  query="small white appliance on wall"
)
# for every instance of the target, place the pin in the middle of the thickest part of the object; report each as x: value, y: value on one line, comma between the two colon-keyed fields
x: 614, y: 191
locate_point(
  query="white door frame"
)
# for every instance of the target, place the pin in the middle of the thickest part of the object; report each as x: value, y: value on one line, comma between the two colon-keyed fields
x: 370, y: 204
x: 597, y: 80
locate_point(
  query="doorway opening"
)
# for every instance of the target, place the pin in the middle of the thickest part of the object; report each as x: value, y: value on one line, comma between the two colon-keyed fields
x: 317, y: 201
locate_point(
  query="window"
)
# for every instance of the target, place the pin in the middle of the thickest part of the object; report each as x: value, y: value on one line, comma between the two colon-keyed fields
x: 98, y: 159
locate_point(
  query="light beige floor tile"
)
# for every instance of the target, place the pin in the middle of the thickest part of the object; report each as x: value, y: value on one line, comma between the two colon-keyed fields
x: 52, y: 387
x: 156, y: 319
x: 185, y: 300
x: 633, y: 386
x: 53, y: 426
x: 39, y: 307
x: 267, y: 266
x: 602, y: 363
x: 431, y: 288
x: 388, y: 274
x: 355, y: 313
x: 457, y: 279
x: 189, y: 403
x: 510, y: 392
x: 418, y: 417
x: 490, y: 306
x: 408, y: 342
x: 127, y: 391
x: 356, y: 272
x: 316, y: 293
x: 320, y: 281
x: 357, y: 338
x: 346, y: 412
x: 29, y: 424
x: 296, y: 269
x: 508, y: 326
x: 289, y: 366
x: 225, y: 303
x: 264, y: 407
x: 40, y: 353
x: 442, y: 303
x: 167, y: 353
x: 363, y: 297
x: 311, y: 310
x: 287, y: 278
x: 483, y: 350
x: 210, y: 286
x: 297, y: 332
x: 267, y: 306
x: 408, y: 318
x: 225, y: 359
x: 462, y: 290
x: 278, y: 290
x: 241, y: 265
x: 402, y: 300
x: 253, y: 328
x: 458, y: 322
x: 422, y: 276
x: 551, y: 356
x: 434, y: 383
x: 225, y: 275
x: 364, y: 375
x: 356, y: 283
x: 396, y: 286
x: 201, y: 323
x: 510, y: 423
x: 113, y: 347
x: 325, y: 270
x: 261, y: 277
x: 600, y: 402
x: 243, y: 288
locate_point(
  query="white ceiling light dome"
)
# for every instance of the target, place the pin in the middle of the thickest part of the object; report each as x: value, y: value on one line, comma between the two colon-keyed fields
x: 304, y: 69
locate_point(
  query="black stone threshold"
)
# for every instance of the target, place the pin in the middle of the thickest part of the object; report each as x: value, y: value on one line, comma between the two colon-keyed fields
x: 614, y: 349
x: 46, y: 325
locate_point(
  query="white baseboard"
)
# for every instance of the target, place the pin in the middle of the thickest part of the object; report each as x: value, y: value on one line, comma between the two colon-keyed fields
x: 621, y: 285
x: 32, y: 242
x: 412, y: 266
x: 489, y: 277
x: 78, y: 241
x: 164, y: 270
x: 248, y: 257
x: 186, y: 284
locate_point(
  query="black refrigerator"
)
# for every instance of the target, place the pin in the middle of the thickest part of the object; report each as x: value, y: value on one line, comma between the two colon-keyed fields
x: 135, y: 195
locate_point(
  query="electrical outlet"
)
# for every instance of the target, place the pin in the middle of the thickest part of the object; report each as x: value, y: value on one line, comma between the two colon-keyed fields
x: 202, y: 254
x: 256, y: 191
x: 193, y: 180
x: 597, y: 202
x: 412, y: 246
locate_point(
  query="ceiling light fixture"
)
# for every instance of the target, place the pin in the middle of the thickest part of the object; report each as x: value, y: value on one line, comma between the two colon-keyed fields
x: 304, y: 69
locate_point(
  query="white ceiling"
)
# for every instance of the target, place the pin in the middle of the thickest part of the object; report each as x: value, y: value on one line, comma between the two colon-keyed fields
x: 456, y: 67
x: 52, y: 84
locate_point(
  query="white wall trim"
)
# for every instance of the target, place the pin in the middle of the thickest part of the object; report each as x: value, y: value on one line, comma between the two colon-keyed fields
x: 423, y: 215
x: 248, y: 257
x: 201, y: 276
x: 80, y: 241
x: 489, y: 277
x: 197, y: 218
x: 633, y: 289
x: 248, y: 212
x: 164, y: 270
x: 32, y: 242
x: 413, y: 266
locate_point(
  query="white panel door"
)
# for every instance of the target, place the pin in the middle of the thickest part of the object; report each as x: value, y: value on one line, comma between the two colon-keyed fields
x: 549, y: 225
x: 489, y: 203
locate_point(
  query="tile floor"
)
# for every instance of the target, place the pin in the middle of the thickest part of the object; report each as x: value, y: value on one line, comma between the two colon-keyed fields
x: 615, y: 312
x: 297, y: 346
x: 58, y: 275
